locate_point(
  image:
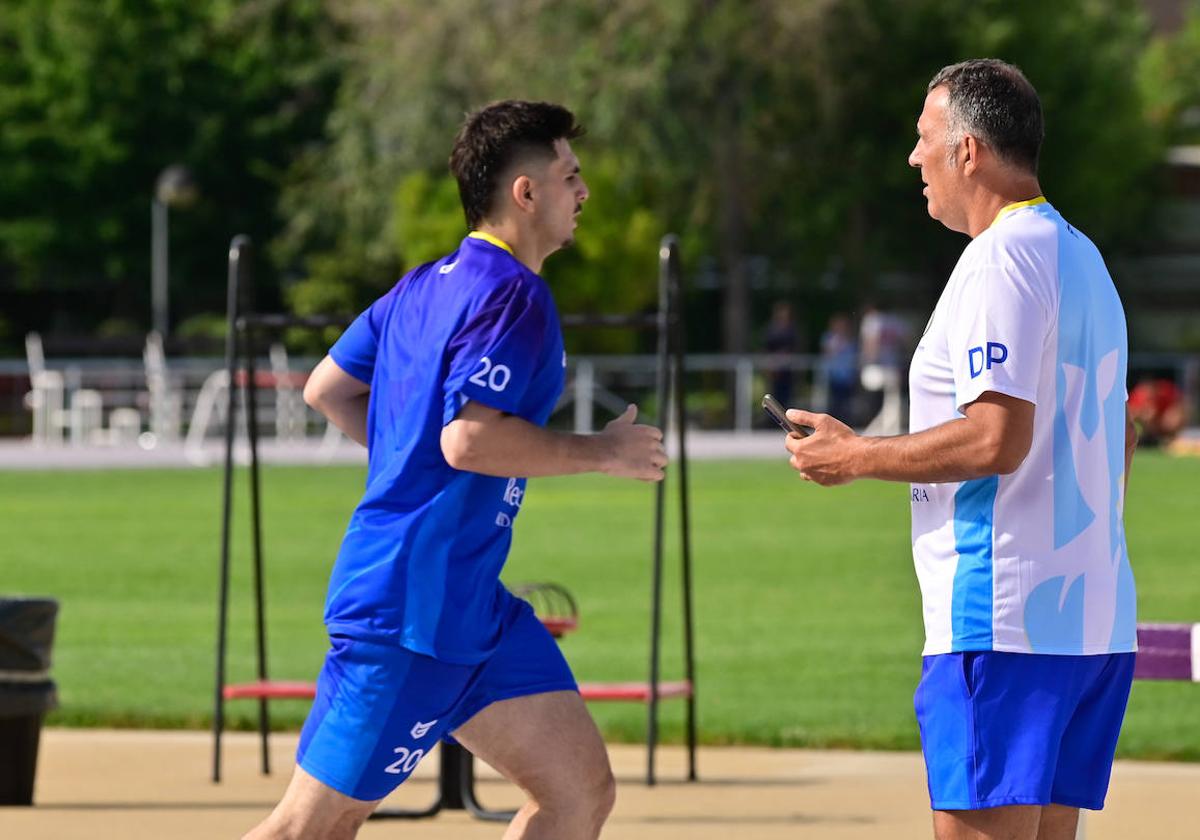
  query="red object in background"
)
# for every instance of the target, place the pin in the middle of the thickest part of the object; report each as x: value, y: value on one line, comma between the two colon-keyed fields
x: 1157, y: 395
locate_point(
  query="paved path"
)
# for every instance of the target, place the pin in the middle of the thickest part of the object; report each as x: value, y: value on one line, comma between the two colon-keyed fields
x: 101, y: 784
x: 20, y: 454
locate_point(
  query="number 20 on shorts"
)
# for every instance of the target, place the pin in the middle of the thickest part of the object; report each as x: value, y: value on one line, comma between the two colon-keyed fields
x: 406, y: 760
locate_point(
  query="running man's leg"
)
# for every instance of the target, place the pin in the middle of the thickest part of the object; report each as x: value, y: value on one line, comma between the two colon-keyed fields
x: 378, y: 711
x: 312, y: 809
x: 548, y: 745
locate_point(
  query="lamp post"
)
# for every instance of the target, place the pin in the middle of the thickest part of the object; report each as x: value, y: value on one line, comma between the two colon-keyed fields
x: 174, y: 188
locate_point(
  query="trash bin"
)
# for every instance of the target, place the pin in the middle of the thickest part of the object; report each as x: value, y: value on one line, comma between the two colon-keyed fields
x: 26, y: 691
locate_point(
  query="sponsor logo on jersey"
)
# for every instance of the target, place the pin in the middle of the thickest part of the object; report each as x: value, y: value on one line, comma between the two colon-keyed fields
x: 979, y: 359
x: 513, y: 494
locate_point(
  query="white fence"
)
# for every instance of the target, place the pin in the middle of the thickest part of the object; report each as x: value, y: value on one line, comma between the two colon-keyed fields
x: 156, y: 401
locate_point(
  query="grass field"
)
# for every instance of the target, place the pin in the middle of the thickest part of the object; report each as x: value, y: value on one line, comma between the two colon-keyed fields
x: 808, y: 622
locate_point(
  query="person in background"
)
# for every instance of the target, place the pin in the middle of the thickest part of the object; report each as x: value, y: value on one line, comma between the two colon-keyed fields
x: 839, y: 361
x: 781, y: 339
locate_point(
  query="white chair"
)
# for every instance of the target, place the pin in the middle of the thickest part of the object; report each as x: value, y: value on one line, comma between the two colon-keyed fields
x: 46, y: 396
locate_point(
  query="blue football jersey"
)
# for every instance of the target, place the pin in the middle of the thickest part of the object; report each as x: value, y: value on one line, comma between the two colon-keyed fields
x: 420, y: 563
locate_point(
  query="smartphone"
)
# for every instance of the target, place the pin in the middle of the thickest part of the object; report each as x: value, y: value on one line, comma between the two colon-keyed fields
x: 778, y: 414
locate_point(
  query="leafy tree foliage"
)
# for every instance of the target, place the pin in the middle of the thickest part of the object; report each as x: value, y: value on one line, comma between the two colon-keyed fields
x: 98, y: 96
x: 767, y: 132
x: 772, y: 135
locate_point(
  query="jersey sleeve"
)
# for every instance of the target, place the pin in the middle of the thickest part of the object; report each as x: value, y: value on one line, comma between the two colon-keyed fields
x: 496, y: 353
x: 355, y: 350
x: 997, y: 337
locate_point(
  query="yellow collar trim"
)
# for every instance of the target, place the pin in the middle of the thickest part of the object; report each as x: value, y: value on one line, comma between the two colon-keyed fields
x: 500, y: 243
x: 1017, y: 205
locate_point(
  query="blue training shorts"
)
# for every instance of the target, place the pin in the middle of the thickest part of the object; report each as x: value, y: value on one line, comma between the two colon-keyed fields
x: 1020, y: 729
x: 380, y: 709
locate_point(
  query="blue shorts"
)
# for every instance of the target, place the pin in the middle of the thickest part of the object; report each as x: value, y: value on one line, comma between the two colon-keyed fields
x: 380, y: 709
x: 1020, y: 729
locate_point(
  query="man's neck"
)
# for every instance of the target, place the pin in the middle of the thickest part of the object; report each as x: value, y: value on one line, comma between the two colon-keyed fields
x: 523, y: 244
x: 994, y: 198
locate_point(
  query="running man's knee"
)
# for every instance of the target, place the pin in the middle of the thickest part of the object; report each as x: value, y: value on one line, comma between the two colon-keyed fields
x: 582, y: 799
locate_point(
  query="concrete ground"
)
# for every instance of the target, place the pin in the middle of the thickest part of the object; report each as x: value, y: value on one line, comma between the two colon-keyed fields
x: 20, y: 454
x: 100, y: 784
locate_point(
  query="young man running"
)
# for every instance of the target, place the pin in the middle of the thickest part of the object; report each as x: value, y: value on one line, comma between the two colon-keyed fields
x: 449, y: 379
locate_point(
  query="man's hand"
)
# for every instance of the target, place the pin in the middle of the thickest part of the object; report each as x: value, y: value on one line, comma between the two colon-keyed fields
x: 829, y: 455
x: 635, y: 450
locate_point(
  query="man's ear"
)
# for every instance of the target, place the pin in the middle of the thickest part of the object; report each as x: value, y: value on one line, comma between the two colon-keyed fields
x: 522, y: 193
x: 971, y: 151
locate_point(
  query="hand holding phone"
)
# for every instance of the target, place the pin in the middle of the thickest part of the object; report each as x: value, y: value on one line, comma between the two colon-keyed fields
x: 779, y: 415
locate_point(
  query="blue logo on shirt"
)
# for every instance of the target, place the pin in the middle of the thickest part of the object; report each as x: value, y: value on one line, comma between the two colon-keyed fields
x: 977, y: 359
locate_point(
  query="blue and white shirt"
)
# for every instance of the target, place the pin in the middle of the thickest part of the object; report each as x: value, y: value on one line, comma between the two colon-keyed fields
x: 1035, y: 561
x: 420, y: 563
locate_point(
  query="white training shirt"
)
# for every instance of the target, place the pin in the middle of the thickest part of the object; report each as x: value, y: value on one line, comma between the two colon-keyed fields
x: 1035, y: 561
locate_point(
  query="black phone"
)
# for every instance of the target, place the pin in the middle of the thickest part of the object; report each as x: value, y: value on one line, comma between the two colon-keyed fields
x: 779, y: 415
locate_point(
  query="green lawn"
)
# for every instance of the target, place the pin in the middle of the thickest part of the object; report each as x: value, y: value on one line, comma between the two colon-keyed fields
x: 808, y: 622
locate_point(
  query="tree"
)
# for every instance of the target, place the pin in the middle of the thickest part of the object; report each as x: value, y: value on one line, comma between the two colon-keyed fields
x: 98, y: 96
x: 766, y: 131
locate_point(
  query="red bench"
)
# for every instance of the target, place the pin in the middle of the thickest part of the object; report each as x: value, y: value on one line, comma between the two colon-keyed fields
x: 290, y: 690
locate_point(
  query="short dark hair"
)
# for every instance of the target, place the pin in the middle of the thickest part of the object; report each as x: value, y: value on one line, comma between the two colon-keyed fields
x: 495, y: 137
x: 993, y: 100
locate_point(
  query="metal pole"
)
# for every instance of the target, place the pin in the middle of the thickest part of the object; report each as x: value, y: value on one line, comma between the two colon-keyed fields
x: 250, y: 400
x: 158, y: 266
x: 679, y: 350
x: 662, y: 381
x: 231, y: 344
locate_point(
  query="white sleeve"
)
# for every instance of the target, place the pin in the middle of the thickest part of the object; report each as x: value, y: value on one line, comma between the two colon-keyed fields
x: 997, y: 335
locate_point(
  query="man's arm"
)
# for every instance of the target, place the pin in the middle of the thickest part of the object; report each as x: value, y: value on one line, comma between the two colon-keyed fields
x: 483, y: 440
x: 339, y: 397
x: 993, y: 438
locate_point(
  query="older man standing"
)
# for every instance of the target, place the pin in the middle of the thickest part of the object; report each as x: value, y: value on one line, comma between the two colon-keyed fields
x: 1018, y: 451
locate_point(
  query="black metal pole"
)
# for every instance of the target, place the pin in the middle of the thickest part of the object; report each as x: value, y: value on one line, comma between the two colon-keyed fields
x: 662, y: 382
x: 250, y: 400
x: 231, y: 345
x: 679, y: 345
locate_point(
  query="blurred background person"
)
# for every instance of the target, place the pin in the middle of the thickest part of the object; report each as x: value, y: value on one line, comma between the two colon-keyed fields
x: 839, y: 362
x: 780, y: 339
x: 883, y: 344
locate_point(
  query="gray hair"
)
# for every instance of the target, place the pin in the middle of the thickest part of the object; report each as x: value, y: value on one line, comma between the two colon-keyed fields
x: 993, y: 101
